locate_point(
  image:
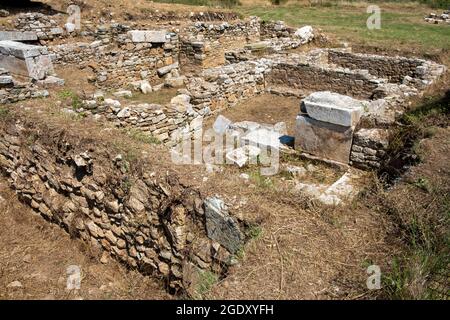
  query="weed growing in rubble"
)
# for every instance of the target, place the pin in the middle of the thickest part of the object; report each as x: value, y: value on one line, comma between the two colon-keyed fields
x: 140, y: 136
x: 74, y: 99
x: 207, y: 280
x: 260, y: 180
x: 3, y: 112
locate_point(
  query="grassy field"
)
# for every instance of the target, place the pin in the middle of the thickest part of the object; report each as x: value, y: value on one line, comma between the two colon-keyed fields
x: 402, y: 26
x: 402, y: 23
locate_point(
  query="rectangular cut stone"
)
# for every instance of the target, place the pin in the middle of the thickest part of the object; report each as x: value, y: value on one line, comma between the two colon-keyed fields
x: 14, y: 65
x: 26, y: 60
x: 333, y: 108
x: 153, y: 36
x: 322, y: 139
x: 21, y: 50
x: 18, y: 35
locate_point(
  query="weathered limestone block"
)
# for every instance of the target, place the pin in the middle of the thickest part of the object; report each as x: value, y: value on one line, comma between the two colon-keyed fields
x: 27, y: 60
x: 322, y: 139
x: 333, y: 108
x: 152, y: 36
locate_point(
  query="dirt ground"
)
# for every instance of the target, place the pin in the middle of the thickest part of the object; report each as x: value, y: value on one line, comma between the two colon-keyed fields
x: 265, y: 108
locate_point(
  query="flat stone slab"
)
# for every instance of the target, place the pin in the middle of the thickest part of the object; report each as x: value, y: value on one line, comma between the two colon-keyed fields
x: 322, y: 139
x: 333, y: 108
x: 262, y: 138
x: 153, y: 36
x: 18, y: 35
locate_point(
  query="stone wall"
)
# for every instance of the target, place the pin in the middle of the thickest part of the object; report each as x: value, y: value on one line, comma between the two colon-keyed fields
x: 310, y: 77
x: 130, y: 209
x: 117, y: 64
x: 46, y: 27
x: 230, y: 35
x: 167, y: 123
x: 222, y: 87
x: 194, y: 55
x: 395, y: 69
x: 369, y: 148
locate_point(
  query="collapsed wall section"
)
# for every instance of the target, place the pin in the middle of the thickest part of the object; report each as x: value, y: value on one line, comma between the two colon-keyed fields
x: 121, y: 203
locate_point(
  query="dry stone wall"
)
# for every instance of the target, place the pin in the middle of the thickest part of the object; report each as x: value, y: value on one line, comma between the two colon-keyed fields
x: 393, y: 68
x: 45, y: 27
x: 132, y: 210
x: 13, y: 91
x: 310, y: 77
x: 119, y: 64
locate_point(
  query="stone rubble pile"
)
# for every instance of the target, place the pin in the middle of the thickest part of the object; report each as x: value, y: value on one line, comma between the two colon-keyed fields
x: 438, y: 18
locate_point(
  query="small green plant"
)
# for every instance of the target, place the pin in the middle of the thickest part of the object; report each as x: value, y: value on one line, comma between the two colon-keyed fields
x: 260, y: 180
x: 4, y: 112
x: 126, y: 185
x: 254, y: 232
x: 67, y: 94
x: 140, y: 136
x: 207, y: 280
x: 423, y: 184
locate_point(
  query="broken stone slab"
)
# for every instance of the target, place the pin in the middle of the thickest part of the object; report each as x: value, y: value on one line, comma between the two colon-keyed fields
x: 306, y: 34
x: 333, y: 108
x: 145, y: 87
x: 123, y: 94
x: 18, y: 35
x: 166, y: 69
x: 243, y: 155
x: 221, y: 124
x: 262, y: 138
x: 6, y: 81
x: 181, y: 102
x: 245, y: 125
x: 152, y: 36
x: 220, y: 226
x: 343, y: 189
x: 323, y: 139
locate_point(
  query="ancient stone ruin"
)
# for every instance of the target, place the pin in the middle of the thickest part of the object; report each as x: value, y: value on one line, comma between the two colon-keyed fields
x: 347, y: 104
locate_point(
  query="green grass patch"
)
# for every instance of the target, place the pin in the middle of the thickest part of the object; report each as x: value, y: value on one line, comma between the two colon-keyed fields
x: 140, y: 136
x: 208, y: 3
x: 406, y: 28
x: 67, y: 94
x: 207, y: 280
